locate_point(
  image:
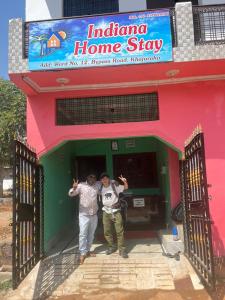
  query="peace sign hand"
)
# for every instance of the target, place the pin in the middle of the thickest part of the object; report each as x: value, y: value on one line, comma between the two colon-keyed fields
x: 75, y: 183
x: 122, y: 179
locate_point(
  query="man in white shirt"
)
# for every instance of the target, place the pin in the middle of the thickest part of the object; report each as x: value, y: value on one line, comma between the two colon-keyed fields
x: 88, y: 208
x: 112, y: 213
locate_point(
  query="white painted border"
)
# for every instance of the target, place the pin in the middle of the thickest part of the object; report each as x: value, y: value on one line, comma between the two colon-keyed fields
x: 116, y: 85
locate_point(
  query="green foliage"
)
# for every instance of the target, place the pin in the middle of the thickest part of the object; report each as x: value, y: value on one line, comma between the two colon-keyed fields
x: 5, y: 285
x: 12, y: 118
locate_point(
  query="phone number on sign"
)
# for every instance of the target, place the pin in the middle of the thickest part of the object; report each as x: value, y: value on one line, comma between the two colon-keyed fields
x: 150, y: 15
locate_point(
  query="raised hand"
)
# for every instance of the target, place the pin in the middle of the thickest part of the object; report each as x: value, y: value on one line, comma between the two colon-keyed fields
x: 122, y: 179
x: 75, y: 183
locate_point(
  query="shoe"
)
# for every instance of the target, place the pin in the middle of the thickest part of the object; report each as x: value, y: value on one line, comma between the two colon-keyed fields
x: 110, y: 251
x: 177, y: 256
x: 82, y: 259
x: 123, y: 254
x: 91, y: 254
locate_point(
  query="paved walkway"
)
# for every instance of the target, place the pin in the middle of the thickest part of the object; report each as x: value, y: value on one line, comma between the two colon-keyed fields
x: 145, y: 269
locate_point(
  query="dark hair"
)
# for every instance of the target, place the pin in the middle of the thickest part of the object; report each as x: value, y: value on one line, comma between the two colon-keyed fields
x: 104, y: 174
x: 91, y: 176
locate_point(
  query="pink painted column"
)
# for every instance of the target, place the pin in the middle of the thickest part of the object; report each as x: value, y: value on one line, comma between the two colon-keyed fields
x: 173, y: 164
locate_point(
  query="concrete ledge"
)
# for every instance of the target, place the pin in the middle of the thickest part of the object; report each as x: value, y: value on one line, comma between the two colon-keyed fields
x: 169, y: 244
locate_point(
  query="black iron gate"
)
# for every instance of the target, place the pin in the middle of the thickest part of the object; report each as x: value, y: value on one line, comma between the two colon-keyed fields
x: 197, y: 223
x: 27, y: 207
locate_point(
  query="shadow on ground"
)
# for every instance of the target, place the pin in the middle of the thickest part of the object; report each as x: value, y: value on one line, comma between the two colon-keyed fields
x: 55, y: 269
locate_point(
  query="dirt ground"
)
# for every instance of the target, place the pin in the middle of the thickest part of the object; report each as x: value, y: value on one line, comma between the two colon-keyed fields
x: 182, y: 292
x: 5, y: 220
x: 142, y: 295
x: 5, y: 233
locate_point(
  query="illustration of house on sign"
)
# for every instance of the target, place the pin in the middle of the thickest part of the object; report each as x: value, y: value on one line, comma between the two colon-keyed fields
x: 55, y: 39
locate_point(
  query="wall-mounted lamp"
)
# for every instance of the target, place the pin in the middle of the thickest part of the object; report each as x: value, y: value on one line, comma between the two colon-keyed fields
x: 114, y: 146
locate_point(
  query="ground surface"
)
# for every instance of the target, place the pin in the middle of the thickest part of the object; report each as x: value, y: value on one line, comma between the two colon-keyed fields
x: 5, y: 235
x: 5, y: 245
x: 146, y: 274
x: 5, y: 219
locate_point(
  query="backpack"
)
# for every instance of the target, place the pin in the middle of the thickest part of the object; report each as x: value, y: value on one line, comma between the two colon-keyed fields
x: 177, y: 213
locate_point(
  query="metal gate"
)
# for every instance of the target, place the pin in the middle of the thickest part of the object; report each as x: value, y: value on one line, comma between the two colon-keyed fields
x: 27, y: 207
x: 197, y: 223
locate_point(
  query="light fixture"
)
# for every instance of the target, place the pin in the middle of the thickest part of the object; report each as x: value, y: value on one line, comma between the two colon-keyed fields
x: 172, y: 73
x: 62, y: 80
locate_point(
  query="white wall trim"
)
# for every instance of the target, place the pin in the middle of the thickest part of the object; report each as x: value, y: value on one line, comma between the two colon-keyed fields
x: 116, y: 85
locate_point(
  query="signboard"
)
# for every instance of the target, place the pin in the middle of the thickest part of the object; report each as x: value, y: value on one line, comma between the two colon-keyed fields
x: 134, y: 38
x: 130, y: 143
x: 139, y: 202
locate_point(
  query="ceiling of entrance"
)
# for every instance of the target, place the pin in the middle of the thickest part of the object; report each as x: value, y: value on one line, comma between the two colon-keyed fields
x: 117, y: 77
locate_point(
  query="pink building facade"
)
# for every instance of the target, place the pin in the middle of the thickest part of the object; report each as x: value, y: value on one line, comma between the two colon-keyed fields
x: 190, y: 91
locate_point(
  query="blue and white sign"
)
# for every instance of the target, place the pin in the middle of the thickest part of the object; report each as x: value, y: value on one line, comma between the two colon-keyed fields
x: 134, y: 38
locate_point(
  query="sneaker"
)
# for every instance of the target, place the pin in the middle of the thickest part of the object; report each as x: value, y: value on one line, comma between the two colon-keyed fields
x: 91, y: 254
x: 110, y: 251
x: 123, y: 254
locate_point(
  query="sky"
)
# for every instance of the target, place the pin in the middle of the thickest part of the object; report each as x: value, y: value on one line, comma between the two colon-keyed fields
x: 10, y: 9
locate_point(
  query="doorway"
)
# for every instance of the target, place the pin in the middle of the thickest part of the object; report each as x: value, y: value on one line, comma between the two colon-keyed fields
x: 141, y: 171
x: 85, y: 165
x: 76, y: 159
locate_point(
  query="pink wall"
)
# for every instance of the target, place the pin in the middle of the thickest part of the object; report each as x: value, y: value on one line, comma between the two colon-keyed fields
x: 181, y: 106
x: 173, y: 163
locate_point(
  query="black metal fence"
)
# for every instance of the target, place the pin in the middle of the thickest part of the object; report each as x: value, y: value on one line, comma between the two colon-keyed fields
x: 209, y: 24
x: 27, y: 198
x: 197, y: 222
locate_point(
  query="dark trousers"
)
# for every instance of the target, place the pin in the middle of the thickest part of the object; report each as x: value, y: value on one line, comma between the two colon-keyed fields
x: 111, y: 221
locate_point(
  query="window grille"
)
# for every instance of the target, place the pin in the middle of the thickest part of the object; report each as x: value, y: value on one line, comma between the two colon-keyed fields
x: 155, y: 4
x: 89, y: 7
x: 110, y: 109
x: 209, y: 24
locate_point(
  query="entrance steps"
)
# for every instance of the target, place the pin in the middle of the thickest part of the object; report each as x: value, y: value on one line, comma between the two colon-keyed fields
x: 146, y: 270
x: 169, y: 244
